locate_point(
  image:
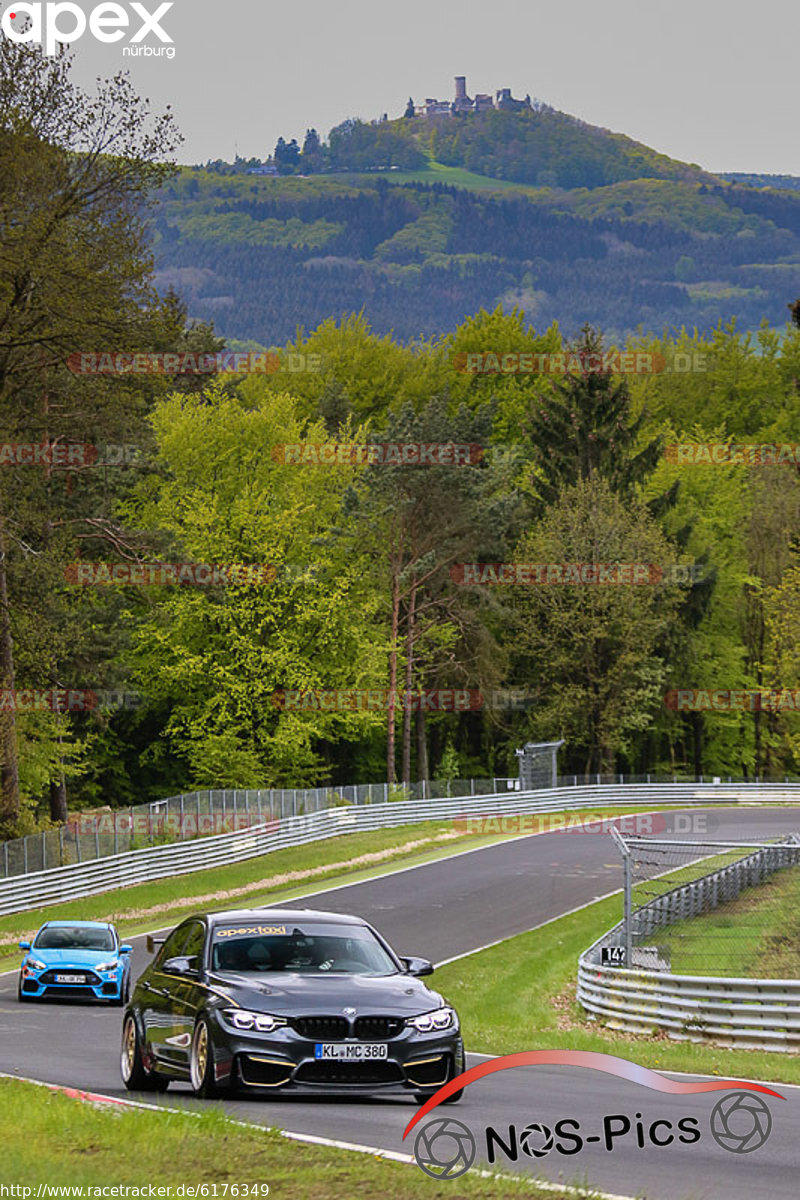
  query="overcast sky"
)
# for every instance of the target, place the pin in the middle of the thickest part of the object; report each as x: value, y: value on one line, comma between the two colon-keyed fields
x: 711, y: 82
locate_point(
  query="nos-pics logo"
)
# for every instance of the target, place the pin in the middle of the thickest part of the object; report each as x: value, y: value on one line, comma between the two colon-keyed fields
x: 444, y: 1148
x: 60, y: 23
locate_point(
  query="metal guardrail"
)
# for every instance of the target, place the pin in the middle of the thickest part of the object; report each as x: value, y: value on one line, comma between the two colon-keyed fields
x: 752, y: 1014
x: 157, y: 862
x: 101, y: 833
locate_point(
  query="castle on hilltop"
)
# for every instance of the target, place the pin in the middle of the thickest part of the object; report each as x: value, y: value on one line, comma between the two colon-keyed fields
x: 463, y: 103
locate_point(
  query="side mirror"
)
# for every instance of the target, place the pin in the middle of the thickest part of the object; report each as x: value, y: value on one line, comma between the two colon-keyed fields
x: 153, y: 943
x: 180, y: 966
x: 24, y: 945
x: 417, y: 966
x: 126, y: 949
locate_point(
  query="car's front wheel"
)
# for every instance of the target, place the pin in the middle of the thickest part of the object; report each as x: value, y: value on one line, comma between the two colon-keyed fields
x: 23, y: 999
x: 135, y: 1075
x: 124, y: 993
x: 201, y: 1062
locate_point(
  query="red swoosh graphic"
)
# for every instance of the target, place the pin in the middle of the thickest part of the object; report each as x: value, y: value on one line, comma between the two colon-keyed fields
x: 592, y: 1059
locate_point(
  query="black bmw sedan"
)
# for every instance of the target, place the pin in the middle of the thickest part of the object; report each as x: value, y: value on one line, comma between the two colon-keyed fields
x: 287, y: 1000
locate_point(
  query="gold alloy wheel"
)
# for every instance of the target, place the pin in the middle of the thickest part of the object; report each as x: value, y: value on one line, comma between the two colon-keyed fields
x: 199, y: 1056
x: 128, y: 1048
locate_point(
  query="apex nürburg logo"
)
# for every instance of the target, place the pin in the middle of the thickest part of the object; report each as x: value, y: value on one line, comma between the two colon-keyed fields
x: 60, y: 23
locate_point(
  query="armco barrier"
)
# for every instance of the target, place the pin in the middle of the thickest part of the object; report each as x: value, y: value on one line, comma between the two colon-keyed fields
x: 753, y: 1014
x: 21, y: 893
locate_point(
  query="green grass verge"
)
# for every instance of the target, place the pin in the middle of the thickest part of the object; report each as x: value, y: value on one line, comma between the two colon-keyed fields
x: 48, y: 1138
x: 163, y: 902
x: 520, y: 995
x: 756, y: 935
x: 437, y: 172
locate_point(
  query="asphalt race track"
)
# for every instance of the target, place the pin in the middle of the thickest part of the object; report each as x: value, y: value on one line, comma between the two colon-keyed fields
x: 441, y: 910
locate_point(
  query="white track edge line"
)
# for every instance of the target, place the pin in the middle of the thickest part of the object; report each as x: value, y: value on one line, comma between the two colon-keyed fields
x: 312, y: 1139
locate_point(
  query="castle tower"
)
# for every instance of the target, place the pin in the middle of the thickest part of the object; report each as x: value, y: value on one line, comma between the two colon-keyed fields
x: 461, y: 87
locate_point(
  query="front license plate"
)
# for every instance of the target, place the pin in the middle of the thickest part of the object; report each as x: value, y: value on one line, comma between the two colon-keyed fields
x: 356, y: 1052
x: 70, y: 979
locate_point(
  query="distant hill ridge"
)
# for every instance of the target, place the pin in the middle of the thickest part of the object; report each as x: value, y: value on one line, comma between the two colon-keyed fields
x: 519, y: 141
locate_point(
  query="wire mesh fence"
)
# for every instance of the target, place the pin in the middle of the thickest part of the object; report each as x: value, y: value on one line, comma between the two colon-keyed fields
x: 712, y: 908
x: 99, y: 833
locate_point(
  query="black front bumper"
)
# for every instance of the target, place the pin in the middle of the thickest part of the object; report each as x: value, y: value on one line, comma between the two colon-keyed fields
x: 285, y: 1061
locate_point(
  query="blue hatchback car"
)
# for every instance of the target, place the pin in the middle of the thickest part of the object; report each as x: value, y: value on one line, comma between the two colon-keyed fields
x: 76, y: 960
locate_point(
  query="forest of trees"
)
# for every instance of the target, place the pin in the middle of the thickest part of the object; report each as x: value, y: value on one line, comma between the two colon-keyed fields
x: 359, y: 583
x: 259, y: 259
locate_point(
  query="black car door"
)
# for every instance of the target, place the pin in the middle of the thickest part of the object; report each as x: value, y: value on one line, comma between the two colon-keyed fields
x: 186, y: 994
x: 155, y: 995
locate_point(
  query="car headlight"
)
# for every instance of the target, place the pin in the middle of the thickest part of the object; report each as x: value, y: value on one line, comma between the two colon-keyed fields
x: 109, y: 966
x: 35, y: 964
x: 440, y: 1018
x: 240, y: 1018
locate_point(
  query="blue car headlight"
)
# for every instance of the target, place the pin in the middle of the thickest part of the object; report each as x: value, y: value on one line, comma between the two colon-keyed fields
x: 34, y: 964
x: 107, y: 966
x: 439, y: 1019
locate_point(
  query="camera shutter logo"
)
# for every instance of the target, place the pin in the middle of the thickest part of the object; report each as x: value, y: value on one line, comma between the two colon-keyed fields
x: 444, y: 1148
x: 536, y: 1140
x: 741, y: 1122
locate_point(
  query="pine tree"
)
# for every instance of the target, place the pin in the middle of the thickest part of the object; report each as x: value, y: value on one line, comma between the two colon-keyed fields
x: 585, y: 429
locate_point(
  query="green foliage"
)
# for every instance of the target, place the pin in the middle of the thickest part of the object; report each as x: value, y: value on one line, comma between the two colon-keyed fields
x: 219, y: 661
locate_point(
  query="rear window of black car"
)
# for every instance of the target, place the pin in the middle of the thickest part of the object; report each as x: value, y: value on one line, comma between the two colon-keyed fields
x: 304, y: 948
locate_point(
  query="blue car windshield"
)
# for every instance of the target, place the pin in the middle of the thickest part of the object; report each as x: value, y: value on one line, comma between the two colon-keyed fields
x: 74, y: 937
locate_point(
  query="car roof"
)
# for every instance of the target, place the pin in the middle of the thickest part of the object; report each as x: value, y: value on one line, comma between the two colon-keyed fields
x: 81, y: 924
x: 282, y: 915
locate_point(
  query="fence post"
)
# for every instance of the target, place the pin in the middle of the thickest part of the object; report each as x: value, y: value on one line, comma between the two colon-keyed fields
x: 96, y: 839
x: 61, y: 862
x: 25, y: 855
x: 5, y: 859
x: 78, y: 843
x: 44, y: 851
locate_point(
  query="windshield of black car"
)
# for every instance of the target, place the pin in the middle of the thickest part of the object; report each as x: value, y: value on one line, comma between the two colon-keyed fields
x: 315, y: 949
x: 74, y: 937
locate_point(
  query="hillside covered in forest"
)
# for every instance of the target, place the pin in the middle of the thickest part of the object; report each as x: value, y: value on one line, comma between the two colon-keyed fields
x: 417, y: 251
